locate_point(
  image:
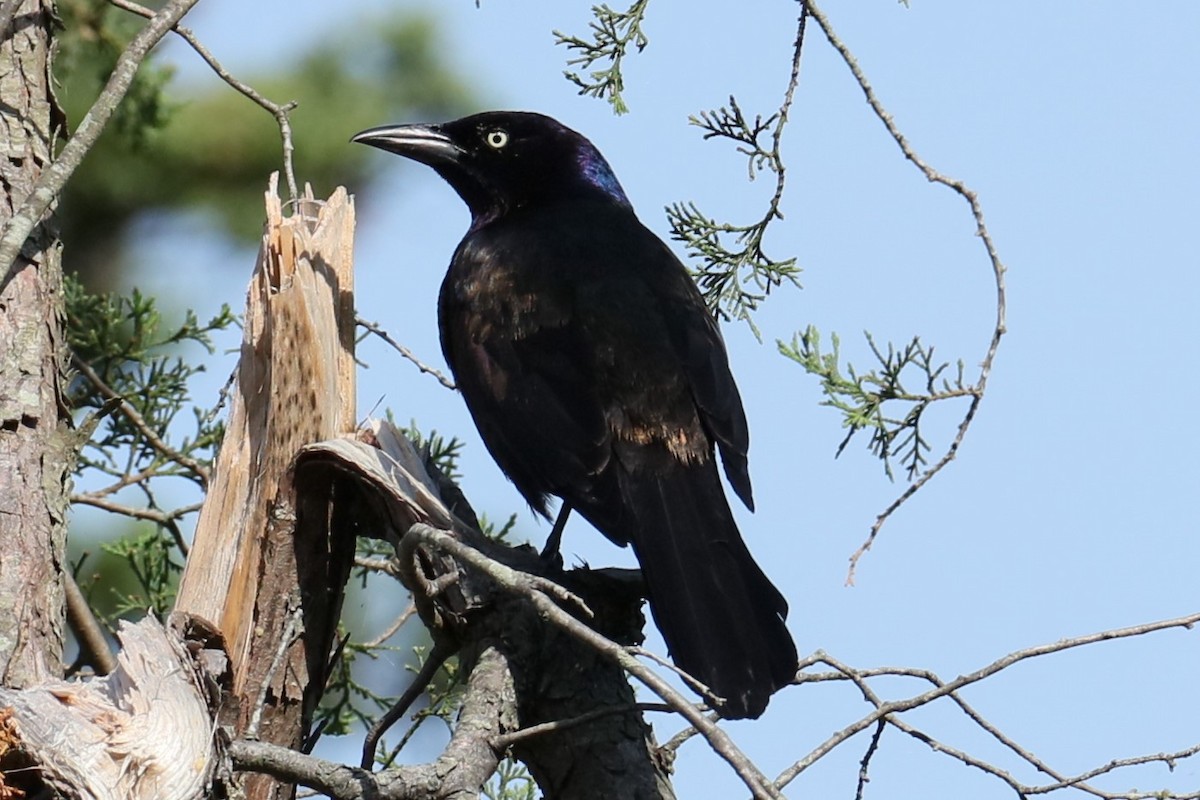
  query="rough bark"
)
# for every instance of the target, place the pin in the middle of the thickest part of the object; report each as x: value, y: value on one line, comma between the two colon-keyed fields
x: 36, y: 443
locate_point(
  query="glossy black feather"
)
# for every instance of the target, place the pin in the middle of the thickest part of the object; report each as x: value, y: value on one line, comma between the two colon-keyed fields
x: 595, y: 373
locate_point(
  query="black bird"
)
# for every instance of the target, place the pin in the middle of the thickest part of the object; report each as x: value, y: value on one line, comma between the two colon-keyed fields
x: 594, y: 372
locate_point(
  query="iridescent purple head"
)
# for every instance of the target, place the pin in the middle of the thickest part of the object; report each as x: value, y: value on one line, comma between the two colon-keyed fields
x: 499, y: 161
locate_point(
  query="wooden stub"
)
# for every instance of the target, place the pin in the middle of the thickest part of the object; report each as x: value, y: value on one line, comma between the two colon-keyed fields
x: 295, y: 385
x: 142, y: 732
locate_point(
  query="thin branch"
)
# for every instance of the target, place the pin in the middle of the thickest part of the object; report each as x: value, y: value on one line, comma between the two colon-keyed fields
x: 387, y: 566
x: 1022, y: 790
x: 998, y: 331
x: 139, y: 422
x: 396, y: 625
x: 864, y: 766
x: 696, y: 686
x: 502, y: 743
x: 277, y: 110
x: 93, y: 645
x: 329, y: 777
x: 56, y: 174
x: 124, y: 481
x: 442, y: 650
x: 424, y: 368
x: 947, y: 688
x: 164, y: 518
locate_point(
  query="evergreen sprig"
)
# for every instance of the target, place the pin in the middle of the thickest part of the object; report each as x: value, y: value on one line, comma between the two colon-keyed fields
x: 729, y: 122
x: 121, y: 348
x: 511, y: 781
x: 129, y: 387
x: 733, y: 270
x: 612, y: 34
x: 867, y: 400
x: 153, y: 557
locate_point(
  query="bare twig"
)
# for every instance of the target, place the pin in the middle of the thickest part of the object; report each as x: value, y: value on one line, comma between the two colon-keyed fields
x: 424, y: 368
x: 396, y: 625
x: 1021, y: 789
x: 278, y: 110
x: 888, y: 711
x: 698, y: 687
x: 442, y: 650
x: 54, y: 177
x: 864, y: 766
x: 387, y: 566
x: 164, y: 518
x: 502, y: 743
x: 998, y: 331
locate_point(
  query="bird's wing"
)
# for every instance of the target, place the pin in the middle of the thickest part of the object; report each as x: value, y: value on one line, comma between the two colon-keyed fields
x: 701, y: 351
x: 527, y: 383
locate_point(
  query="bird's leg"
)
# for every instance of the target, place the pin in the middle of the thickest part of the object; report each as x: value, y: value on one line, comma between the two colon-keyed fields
x: 550, y: 551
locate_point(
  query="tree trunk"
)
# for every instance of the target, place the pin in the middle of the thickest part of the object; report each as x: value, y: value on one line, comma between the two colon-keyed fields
x: 37, y: 447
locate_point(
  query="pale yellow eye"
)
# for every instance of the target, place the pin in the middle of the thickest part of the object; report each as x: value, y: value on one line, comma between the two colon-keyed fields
x: 496, y: 139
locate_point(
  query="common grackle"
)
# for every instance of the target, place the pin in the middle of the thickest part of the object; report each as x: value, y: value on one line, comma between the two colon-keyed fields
x: 594, y: 372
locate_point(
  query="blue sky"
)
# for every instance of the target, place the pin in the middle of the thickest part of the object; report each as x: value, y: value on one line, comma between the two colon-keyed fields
x: 1071, y: 506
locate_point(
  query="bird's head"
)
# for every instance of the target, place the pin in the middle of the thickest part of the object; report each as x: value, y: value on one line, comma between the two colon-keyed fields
x: 498, y: 161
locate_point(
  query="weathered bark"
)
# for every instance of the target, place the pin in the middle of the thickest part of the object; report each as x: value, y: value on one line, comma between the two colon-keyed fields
x: 553, y: 675
x: 561, y: 678
x: 36, y: 443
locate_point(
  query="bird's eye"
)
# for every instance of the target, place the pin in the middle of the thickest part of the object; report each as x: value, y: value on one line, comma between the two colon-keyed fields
x: 496, y: 139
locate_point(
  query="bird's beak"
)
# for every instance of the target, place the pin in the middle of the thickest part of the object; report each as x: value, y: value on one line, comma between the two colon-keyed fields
x: 424, y: 143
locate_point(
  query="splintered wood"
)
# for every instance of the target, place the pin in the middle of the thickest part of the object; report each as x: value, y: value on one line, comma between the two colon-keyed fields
x: 140, y: 733
x: 295, y: 385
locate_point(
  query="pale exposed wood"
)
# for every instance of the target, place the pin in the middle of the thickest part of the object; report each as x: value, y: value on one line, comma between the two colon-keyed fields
x: 267, y: 567
x: 295, y: 385
x: 141, y: 733
x: 392, y: 466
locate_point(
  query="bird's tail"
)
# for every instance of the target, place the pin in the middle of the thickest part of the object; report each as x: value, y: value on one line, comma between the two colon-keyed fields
x: 722, y: 618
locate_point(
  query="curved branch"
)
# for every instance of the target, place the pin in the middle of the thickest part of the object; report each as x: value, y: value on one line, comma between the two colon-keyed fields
x: 459, y: 772
x: 981, y: 230
x: 278, y: 110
